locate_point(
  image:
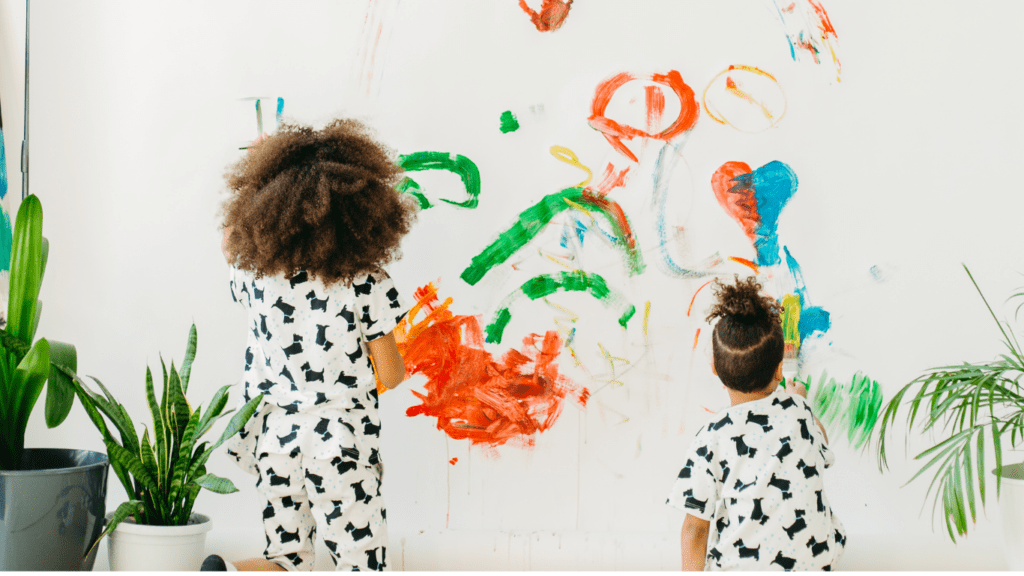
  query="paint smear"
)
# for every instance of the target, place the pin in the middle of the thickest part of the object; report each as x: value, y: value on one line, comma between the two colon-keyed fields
x: 813, y: 320
x: 472, y: 395
x: 791, y: 320
x: 453, y: 461
x: 614, y: 132
x: 694, y: 299
x: 746, y: 263
x: 851, y: 407
x: 551, y: 16
x: 532, y: 220
x: 569, y: 157
x: 457, y: 164
x: 3, y: 165
x: 547, y: 284
x: 509, y: 122
x: 370, y: 57
x: 745, y: 98
x: 755, y: 199
x: 809, y: 31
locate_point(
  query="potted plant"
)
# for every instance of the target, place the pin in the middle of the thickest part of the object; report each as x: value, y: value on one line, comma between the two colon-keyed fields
x: 971, y: 404
x: 51, y: 500
x: 156, y: 529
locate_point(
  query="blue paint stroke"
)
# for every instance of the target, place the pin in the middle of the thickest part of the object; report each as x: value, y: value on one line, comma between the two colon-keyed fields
x: 813, y: 319
x: 3, y: 164
x: 259, y: 119
x: 280, y: 110
x: 661, y: 168
x: 6, y: 239
x: 773, y: 185
x: 792, y: 49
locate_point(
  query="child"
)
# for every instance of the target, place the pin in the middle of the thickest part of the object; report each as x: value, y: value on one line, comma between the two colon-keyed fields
x: 752, y: 485
x: 312, y: 218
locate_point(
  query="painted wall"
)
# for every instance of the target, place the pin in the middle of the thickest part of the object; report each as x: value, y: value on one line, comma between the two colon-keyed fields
x: 877, y: 148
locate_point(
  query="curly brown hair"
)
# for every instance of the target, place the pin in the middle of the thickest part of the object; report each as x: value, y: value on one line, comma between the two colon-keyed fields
x: 323, y: 201
x: 747, y: 341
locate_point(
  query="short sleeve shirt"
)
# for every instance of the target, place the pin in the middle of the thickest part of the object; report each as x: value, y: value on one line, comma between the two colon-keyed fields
x: 754, y: 472
x: 306, y: 353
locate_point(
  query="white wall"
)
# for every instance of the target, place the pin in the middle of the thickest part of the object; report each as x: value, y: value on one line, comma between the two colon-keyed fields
x: 906, y: 164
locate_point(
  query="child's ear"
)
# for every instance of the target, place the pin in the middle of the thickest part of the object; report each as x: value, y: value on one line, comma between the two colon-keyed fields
x: 778, y: 373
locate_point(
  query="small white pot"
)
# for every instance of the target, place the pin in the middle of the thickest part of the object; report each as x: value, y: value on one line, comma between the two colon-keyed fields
x: 159, y: 548
x: 1011, y: 504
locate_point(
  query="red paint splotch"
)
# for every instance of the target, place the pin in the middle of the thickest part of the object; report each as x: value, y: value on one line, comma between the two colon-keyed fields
x: 551, y: 16
x: 737, y: 200
x: 472, y: 395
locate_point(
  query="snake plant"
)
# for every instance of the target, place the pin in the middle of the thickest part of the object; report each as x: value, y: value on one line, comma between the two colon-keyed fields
x: 25, y: 366
x: 969, y: 404
x: 163, y: 477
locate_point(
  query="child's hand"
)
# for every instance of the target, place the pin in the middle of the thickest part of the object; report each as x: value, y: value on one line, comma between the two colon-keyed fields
x: 796, y: 387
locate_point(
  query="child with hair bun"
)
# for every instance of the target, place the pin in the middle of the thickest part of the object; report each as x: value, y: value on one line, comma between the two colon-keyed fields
x: 312, y: 219
x: 752, y: 485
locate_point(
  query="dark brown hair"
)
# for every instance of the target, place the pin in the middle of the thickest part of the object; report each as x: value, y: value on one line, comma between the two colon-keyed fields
x: 747, y: 341
x: 322, y: 201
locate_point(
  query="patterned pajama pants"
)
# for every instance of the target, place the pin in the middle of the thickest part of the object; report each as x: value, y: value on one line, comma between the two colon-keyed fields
x: 341, y: 498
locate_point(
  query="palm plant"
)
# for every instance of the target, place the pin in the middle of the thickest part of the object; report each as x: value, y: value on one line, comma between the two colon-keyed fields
x: 968, y: 403
x: 163, y: 477
x: 25, y: 366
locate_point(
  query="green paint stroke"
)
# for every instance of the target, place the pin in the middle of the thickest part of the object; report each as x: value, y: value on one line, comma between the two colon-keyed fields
x: 532, y: 220
x: 791, y: 319
x: 454, y: 163
x: 509, y: 122
x: 546, y: 285
x: 854, y: 406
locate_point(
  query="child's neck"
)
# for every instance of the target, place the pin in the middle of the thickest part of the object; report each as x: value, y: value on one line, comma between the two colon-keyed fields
x: 737, y: 397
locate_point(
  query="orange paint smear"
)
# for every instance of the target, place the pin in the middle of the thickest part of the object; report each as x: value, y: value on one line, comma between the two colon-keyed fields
x: 472, y: 395
x: 655, y: 100
x: 746, y: 263
x: 737, y: 200
x: 611, y: 180
x: 695, y: 338
x: 453, y: 461
x: 551, y: 16
x: 614, y: 132
x: 694, y: 299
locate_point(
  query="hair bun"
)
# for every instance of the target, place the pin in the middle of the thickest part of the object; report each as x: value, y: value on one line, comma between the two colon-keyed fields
x: 742, y: 299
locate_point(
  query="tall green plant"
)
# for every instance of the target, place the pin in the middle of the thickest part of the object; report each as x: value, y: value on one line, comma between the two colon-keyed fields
x: 968, y: 403
x: 163, y: 476
x: 25, y: 366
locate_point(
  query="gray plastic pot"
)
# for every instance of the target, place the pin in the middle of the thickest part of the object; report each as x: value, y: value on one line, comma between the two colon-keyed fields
x: 52, y: 510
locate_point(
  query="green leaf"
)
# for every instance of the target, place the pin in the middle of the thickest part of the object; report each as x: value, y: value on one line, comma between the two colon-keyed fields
x: 981, y: 467
x: 234, y: 425
x: 25, y: 274
x: 160, y: 431
x: 123, y: 511
x: 184, y: 457
x: 190, y: 356
x: 60, y: 392
x: 178, y: 409
x: 27, y: 382
x: 216, y: 484
x: 133, y: 464
x: 969, y: 479
x: 216, y: 406
x: 44, y: 256
x: 148, y: 457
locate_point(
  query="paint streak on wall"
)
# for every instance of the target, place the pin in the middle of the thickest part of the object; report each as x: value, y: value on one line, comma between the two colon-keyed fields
x: 851, y: 407
x: 457, y: 164
x: 532, y: 220
x: 746, y: 98
x: 473, y: 396
x: 551, y: 16
x: 545, y: 285
x: 509, y: 122
x: 373, y: 45
x: 813, y: 320
x: 6, y: 233
x: 809, y: 30
x: 755, y: 199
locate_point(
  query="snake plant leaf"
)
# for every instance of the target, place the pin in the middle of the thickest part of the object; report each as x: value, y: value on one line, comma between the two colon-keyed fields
x: 216, y: 484
x: 190, y: 356
x: 25, y: 275
x: 28, y: 379
x: 147, y: 456
x: 216, y: 406
x: 184, y: 460
x: 178, y: 406
x: 191, y: 491
x: 118, y: 415
x: 133, y: 464
x: 123, y: 511
x: 234, y: 425
x: 60, y: 391
x: 160, y: 431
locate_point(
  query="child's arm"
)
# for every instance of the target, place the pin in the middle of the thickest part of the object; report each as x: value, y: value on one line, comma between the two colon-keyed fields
x: 694, y: 540
x: 387, y: 361
x: 797, y: 387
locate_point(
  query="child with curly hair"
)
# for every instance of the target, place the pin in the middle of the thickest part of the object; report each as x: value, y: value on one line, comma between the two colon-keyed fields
x: 312, y: 219
x: 754, y: 470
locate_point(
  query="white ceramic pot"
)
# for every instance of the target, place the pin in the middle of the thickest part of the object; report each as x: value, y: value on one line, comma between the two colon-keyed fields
x: 159, y: 548
x: 1011, y: 505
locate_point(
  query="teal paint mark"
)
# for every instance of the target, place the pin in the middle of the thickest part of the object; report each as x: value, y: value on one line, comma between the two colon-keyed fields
x: 546, y: 285
x: 454, y: 163
x: 852, y: 407
x: 532, y: 220
x: 509, y: 122
x: 3, y: 164
x: 773, y: 185
x: 280, y: 110
x: 6, y: 239
x: 813, y: 319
